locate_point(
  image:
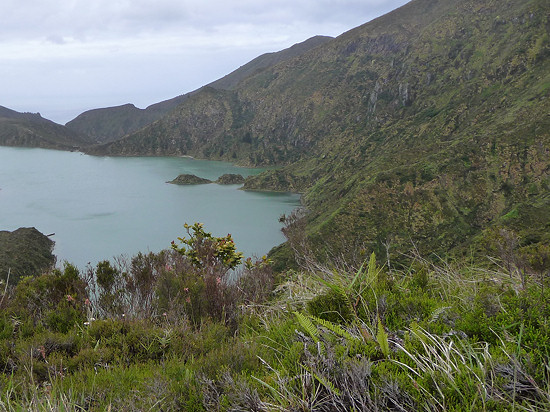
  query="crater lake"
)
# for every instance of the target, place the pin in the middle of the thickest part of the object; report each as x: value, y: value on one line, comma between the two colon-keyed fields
x: 104, y: 207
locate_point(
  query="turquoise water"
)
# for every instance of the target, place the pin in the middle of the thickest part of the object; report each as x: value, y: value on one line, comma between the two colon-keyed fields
x: 102, y: 207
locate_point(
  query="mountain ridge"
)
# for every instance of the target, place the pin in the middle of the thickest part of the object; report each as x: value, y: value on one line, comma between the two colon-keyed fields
x: 32, y: 130
x: 110, y: 124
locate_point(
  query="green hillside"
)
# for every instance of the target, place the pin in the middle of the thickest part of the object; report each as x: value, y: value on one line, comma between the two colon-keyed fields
x: 426, y: 126
x: 233, y: 79
x: 422, y: 134
x: 111, y: 123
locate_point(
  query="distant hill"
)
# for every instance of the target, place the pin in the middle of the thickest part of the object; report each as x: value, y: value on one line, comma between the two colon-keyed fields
x: 427, y: 126
x: 108, y: 124
x: 6, y: 113
x: 32, y: 130
x: 112, y: 123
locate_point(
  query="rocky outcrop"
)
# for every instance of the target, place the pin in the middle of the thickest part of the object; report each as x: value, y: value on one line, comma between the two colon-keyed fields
x: 230, y: 179
x: 24, y: 252
x: 188, y: 179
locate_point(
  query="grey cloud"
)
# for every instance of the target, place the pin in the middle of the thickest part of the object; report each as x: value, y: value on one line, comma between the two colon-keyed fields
x: 62, y: 57
x: 103, y: 18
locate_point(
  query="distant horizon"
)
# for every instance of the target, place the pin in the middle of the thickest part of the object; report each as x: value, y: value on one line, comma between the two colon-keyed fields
x: 88, y: 56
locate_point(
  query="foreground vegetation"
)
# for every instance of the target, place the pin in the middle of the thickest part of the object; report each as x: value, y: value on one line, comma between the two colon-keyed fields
x: 176, y: 331
x: 422, y: 133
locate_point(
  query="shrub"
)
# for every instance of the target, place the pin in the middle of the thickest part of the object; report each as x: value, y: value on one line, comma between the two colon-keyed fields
x: 257, y: 281
x: 56, y: 298
x: 331, y: 306
x: 207, y: 251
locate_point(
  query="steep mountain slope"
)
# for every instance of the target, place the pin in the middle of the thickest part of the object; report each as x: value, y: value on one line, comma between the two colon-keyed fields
x: 428, y: 125
x: 32, y: 130
x: 112, y: 123
x: 232, y: 80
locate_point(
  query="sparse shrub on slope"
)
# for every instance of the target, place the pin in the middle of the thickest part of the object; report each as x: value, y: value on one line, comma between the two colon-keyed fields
x: 54, y: 300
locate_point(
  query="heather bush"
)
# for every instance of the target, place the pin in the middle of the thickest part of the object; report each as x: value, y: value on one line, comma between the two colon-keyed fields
x: 54, y: 299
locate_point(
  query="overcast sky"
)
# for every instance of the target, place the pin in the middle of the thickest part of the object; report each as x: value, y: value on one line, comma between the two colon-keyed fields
x: 61, y: 58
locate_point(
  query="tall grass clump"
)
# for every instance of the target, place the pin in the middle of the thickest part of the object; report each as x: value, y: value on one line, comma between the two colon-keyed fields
x: 435, y: 337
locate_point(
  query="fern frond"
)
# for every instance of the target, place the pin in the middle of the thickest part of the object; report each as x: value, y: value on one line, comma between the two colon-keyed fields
x: 334, y: 328
x: 339, y: 289
x: 372, y: 271
x: 382, y: 339
x: 325, y: 382
x: 335, y: 286
x: 308, y: 325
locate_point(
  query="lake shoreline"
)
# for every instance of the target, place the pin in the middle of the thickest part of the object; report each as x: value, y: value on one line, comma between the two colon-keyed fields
x: 103, y: 206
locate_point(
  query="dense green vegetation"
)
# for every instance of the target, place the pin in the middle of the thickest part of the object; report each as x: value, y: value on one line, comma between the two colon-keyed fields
x: 438, y: 109
x: 415, y: 278
x: 172, y: 331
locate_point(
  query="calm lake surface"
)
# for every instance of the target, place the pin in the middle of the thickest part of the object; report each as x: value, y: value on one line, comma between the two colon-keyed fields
x: 101, y: 207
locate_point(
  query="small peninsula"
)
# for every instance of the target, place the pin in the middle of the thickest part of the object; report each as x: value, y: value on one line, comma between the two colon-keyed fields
x: 24, y: 252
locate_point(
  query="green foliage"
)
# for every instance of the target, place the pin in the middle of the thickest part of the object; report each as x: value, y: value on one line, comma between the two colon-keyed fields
x: 63, y: 317
x: 110, y: 293
x: 106, y: 275
x: 405, y: 159
x: 382, y: 339
x: 306, y: 323
x: 330, y: 306
x: 59, y: 291
x: 456, y: 342
x: 205, y: 250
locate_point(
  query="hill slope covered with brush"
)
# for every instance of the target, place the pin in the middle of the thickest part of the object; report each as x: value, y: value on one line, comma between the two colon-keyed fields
x: 427, y: 125
x: 112, y: 123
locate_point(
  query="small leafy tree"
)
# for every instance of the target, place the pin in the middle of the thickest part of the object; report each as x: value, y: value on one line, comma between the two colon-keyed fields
x: 207, y: 251
x: 212, y: 258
